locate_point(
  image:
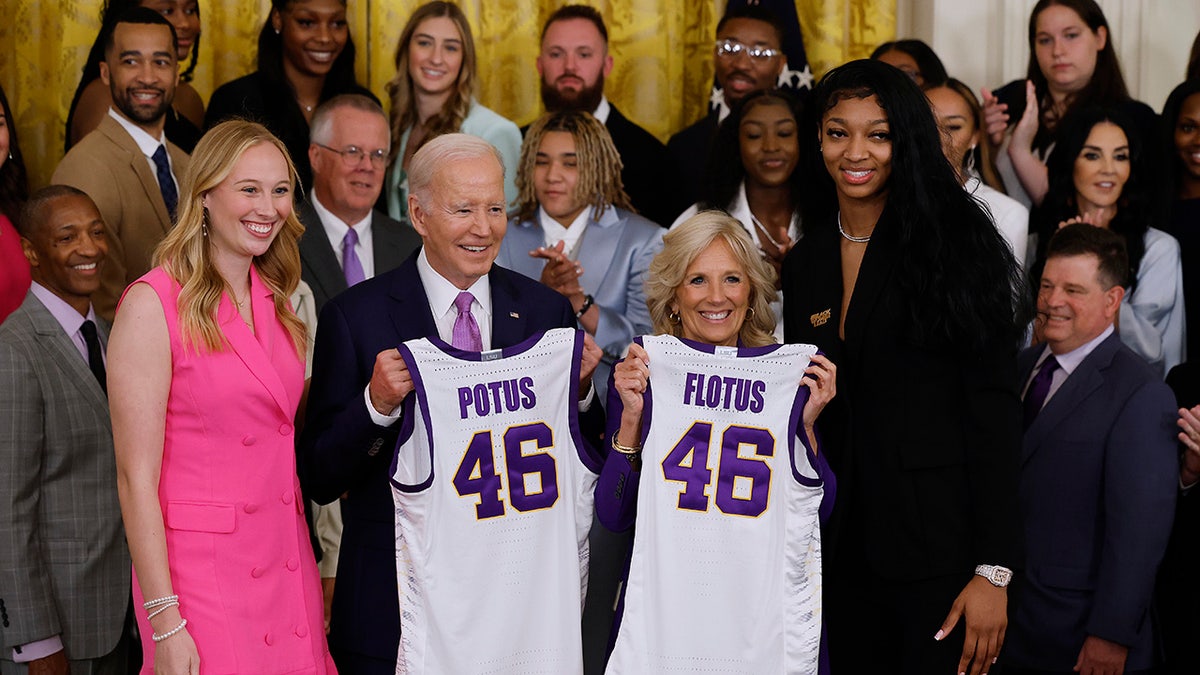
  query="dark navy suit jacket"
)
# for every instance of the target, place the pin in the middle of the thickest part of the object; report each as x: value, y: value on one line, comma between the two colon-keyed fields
x: 1098, y: 478
x: 342, y: 451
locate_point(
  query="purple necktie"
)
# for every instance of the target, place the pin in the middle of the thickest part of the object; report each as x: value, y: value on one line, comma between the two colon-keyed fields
x: 1035, y: 398
x: 351, y: 266
x: 466, y: 331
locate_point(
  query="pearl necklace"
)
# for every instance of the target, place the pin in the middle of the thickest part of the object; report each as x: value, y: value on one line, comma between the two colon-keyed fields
x: 850, y: 237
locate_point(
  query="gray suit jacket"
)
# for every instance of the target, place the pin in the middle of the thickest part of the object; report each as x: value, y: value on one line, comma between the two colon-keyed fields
x: 392, y: 240
x: 64, y: 565
x: 1098, y: 478
x: 615, y: 252
x: 109, y: 167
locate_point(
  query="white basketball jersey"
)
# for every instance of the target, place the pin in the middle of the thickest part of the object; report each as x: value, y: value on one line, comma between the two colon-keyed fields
x: 493, y: 492
x: 726, y: 569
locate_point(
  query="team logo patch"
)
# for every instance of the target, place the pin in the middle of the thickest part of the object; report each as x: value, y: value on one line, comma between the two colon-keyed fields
x: 820, y: 318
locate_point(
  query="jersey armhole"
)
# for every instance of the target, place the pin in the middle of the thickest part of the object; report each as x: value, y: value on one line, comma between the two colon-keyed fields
x: 414, y: 404
x: 804, y: 471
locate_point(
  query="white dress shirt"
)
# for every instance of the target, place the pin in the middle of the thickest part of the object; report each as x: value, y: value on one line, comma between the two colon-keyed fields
x: 147, y: 144
x: 336, y: 228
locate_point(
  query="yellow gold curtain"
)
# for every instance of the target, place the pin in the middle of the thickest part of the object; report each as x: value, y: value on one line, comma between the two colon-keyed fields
x: 662, y: 50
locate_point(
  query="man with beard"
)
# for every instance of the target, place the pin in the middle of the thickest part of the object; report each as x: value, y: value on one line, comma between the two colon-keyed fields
x: 573, y: 64
x: 126, y: 165
x: 747, y: 56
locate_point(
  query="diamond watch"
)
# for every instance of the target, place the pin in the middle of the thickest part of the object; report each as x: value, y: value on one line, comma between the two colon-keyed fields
x: 997, y: 575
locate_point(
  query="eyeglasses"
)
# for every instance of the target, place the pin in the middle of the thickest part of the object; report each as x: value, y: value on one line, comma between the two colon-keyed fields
x: 728, y: 49
x: 353, y: 155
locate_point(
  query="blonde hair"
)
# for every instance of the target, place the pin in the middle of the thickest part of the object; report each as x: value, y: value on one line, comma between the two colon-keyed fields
x: 400, y: 88
x: 682, y: 245
x: 186, y: 253
x: 599, y: 184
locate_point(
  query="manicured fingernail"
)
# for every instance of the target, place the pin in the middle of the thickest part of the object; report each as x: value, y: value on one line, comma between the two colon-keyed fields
x: 994, y: 660
x: 940, y: 634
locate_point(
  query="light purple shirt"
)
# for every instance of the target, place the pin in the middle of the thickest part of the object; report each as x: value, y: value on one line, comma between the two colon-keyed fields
x: 69, y: 318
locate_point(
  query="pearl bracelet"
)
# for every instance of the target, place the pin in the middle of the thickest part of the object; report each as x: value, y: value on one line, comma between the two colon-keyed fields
x: 150, y: 604
x: 163, y: 608
x: 164, y: 636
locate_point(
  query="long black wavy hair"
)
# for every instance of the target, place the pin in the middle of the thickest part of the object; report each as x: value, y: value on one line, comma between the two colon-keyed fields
x: 725, y: 169
x: 111, y: 11
x: 14, y: 182
x: 963, y: 286
x: 1136, y: 210
x: 1170, y: 118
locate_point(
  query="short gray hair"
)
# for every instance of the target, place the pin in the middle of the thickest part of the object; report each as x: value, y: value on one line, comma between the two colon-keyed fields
x: 322, y: 120
x: 442, y: 150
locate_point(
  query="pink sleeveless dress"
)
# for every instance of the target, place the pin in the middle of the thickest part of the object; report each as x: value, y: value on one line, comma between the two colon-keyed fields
x: 237, y: 542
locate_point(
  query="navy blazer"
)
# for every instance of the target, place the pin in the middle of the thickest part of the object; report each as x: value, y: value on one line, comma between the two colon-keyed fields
x: 342, y: 451
x: 1098, y: 478
x: 392, y: 242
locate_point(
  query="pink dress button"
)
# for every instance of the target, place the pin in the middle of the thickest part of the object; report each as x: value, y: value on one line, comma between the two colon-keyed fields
x: 249, y: 439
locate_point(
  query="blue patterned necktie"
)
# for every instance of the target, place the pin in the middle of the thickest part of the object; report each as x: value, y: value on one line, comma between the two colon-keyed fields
x: 166, y: 182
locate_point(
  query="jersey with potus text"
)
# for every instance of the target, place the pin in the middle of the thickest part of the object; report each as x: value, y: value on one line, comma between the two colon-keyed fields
x: 493, y: 492
x: 726, y: 569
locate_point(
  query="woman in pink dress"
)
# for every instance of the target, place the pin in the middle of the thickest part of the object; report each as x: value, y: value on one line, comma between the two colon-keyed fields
x: 14, y: 269
x: 205, y: 375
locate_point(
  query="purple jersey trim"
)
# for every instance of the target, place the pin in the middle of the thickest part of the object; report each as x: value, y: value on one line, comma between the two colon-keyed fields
x: 742, y: 350
x: 421, y: 402
x: 647, y: 417
x: 464, y: 355
x: 593, y: 464
x: 796, y: 431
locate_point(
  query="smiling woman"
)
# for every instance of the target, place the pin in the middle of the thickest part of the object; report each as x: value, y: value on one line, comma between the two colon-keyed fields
x: 903, y: 281
x: 754, y: 174
x: 1101, y: 178
x: 433, y: 93
x: 205, y: 360
x: 305, y: 57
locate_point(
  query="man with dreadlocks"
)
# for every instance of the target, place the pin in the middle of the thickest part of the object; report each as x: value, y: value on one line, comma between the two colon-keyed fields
x: 575, y: 231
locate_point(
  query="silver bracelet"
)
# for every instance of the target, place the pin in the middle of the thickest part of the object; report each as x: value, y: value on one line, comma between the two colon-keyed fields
x: 149, y: 604
x: 164, y: 636
x: 160, y: 610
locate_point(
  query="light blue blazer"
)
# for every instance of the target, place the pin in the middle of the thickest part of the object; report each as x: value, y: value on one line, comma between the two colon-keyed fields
x: 480, y: 121
x: 615, y: 253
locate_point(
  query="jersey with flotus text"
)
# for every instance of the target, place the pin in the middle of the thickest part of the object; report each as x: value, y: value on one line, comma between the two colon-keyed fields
x: 726, y: 569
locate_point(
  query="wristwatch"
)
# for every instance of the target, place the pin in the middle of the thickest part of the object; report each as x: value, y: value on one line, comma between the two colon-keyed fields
x: 997, y: 575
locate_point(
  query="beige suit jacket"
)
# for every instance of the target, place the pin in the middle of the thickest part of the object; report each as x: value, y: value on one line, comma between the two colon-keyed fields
x: 108, y: 165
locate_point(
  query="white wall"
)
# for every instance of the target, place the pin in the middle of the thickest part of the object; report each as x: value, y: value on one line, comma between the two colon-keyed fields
x: 984, y: 42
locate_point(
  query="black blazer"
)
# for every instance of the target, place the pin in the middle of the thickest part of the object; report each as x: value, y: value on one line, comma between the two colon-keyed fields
x: 643, y: 160
x: 687, y: 152
x: 273, y: 105
x: 342, y: 451
x: 392, y: 242
x: 924, y: 441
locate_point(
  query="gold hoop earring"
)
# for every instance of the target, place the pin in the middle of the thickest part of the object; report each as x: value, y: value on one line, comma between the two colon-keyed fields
x: 749, y: 311
x: 674, y: 318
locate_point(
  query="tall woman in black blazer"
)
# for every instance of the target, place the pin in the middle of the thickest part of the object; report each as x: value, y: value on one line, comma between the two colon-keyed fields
x: 903, y: 281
